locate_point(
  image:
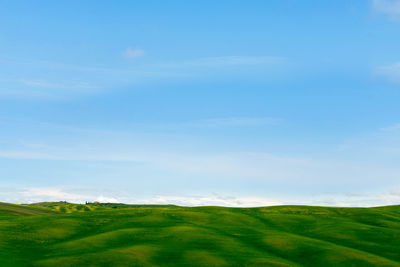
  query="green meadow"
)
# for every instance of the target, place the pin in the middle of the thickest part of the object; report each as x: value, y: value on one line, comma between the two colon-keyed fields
x: 64, y: 234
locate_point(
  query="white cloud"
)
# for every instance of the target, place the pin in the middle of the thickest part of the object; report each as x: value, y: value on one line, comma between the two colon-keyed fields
x: 235, y: 122
x: 364, y: 199
x: 226, y: 61
x: 75, y: 195
x: 257, y: 167
x: 51, y: 80
x: 388, y: 7
x: 188, y: 164
x: 24, y: 154
x: 393, y: 127
x: 218, y: 122
x: 238, y: 60
x: 50, y: 192
x: 358, y: 199
x: 390, y: 72
x: 133, y: 53
x: 55, y: 85
x: 180, y: 157
x: 212, y: 200
x: 40, y: 194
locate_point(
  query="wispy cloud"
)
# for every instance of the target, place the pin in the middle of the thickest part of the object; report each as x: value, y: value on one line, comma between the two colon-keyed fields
x: 390, y: 72
x: 388, y: 7
x: 393, y: 127
x: 127, y: 158
x: 377, y: 147
x: 257, y: 167
x: 235, y: 122
x: 237, y: 60
x: 208, y: 160
x: 132, y: 53
x: 59, y: 80
x: 60, y: 85
x: 211, y: 62
x: 17, y: 154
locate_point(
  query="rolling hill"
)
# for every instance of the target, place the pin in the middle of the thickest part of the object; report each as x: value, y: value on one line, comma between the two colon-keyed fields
x: 65, y: 234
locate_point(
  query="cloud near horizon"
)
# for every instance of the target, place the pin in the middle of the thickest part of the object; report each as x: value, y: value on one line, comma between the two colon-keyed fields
x: 160, y: 156
x: 176, y: 103
x: 81, y: 195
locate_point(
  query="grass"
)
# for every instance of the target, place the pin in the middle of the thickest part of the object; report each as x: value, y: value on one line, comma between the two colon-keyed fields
x: 64, y: 234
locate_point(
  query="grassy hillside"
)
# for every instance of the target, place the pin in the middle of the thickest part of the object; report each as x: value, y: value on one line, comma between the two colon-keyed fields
x: 8, y: 210
x: 128, y: 235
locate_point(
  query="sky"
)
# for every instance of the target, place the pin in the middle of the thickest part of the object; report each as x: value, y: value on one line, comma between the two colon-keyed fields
x: 231, y: 103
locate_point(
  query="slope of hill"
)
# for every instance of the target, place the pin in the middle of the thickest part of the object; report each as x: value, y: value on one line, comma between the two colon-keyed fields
x: 22, y: 210
x: 129, y: 235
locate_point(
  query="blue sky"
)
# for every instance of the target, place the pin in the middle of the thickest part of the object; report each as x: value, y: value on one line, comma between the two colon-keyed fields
x: 236, y: 103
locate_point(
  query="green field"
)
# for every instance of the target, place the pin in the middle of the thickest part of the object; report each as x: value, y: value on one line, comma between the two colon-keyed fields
x: 63, y: 234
